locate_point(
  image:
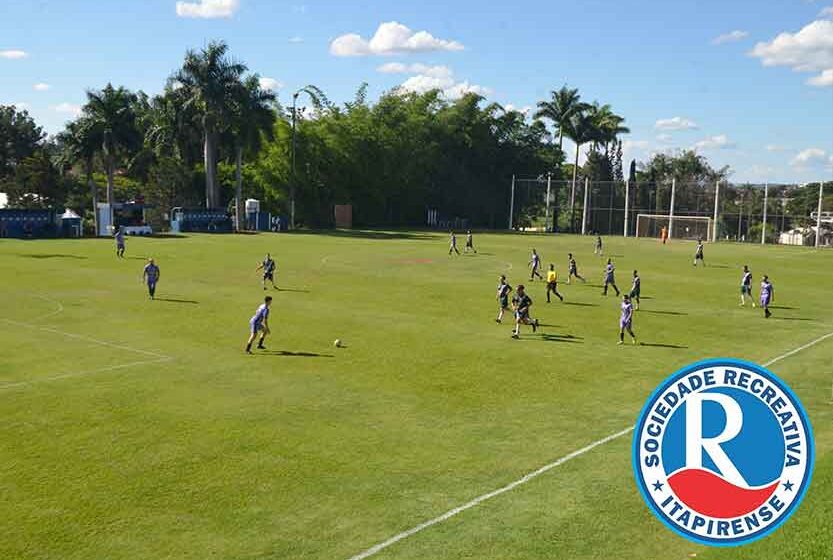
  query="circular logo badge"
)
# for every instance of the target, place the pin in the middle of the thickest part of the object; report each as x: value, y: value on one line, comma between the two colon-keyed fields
x: 723, y: 452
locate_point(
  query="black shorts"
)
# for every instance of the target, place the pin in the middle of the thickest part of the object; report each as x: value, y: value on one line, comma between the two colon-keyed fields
x: 268, y: 275
x: 552, y: 286
x: 504, y: 302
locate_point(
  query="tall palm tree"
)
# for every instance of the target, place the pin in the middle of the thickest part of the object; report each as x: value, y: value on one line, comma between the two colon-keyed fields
x: 209, y: 80
x: 254, y: 117
x: 608, y: 125
x: 110, y: 119
x: 561, y: 107
x: 581, y: 129
x: 80, y: 144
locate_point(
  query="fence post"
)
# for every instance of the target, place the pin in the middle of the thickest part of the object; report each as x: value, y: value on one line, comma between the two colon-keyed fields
x: 766, y: 198
x: 547, y: 218
x: 818, y: 214
x: 584, y: 209
x: 627, y: 200
x: 512, y: 202
x: 716, y: 206
x: 671, y: 209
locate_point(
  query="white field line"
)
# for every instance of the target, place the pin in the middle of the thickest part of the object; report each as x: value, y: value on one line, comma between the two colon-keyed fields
x: 534, y: 474
x: 69, y: 375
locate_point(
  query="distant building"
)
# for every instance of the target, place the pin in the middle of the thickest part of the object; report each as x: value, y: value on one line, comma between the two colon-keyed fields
x: 805, y: 236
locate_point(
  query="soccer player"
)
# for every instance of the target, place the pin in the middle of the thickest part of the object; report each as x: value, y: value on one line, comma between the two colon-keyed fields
x: 626, y: 320
x: 150, y: 276
x: 536, y: 264
x: 119, y: 237
x: 746, y: 287
x: 503, y: 291
x: 552, y: 283
x: 453, y: 244
x: 637, y: 284
x: 259, y: 324
x: 268, y: 266
x: 470, y: 242
x: 767, y: 295
x: 597, y: 249
x: 698, y: 254
x: 521, y: 303
x: 610, y: 279
x: 573, y: 269
x: 663, y: 234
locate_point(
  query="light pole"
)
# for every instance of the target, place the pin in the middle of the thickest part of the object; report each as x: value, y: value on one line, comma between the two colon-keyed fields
x: 292, y: 179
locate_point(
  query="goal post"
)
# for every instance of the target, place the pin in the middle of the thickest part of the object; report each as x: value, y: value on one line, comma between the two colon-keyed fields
x: 685, y: 227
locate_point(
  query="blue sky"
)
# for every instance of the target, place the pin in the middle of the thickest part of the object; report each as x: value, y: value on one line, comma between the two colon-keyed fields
x: 749, y: 83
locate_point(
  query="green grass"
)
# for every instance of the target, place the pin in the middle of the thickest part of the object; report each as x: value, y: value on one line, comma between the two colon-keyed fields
x: 317, y: 452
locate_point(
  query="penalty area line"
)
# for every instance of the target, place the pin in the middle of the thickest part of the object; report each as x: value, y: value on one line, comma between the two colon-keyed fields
x: 68, y: 375
x: 375, y: 549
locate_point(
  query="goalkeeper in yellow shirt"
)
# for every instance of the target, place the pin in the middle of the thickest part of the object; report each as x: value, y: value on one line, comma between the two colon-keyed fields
x: 552, y: 283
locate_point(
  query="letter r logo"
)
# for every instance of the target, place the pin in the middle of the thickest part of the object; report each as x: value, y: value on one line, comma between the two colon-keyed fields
x: 696, y: 443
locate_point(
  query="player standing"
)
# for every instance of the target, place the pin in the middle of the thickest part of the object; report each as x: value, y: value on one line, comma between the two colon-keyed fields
x: 536, y: 264
x: 746, y: 287
x: 503, y: 291
x: 626, y: 320
x: 259, y: 324
x: 597, y: 249
x: 119, y: 237
x: 150, y: 276
x: 573, y: 269
x: 521, y: 302
x: 268, y: 266
x: 470, y: 242
x: 453, y: 244
x: 610, y: 279
x: 698, y: 254
x: 767, y: 295
x: 552, y: 283
x: 663, y: 234
x: 635, y: 287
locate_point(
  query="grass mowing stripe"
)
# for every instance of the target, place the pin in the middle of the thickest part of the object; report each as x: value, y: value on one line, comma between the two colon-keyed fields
x: 526, y: 478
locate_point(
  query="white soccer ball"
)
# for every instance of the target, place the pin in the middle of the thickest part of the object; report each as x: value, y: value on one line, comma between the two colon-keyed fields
x: 337, y: 343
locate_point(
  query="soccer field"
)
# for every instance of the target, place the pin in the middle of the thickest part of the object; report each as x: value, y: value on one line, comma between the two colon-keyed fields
x: 137, y: 429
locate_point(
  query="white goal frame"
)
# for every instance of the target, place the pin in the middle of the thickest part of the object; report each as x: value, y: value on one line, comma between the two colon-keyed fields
x: 674, y: 223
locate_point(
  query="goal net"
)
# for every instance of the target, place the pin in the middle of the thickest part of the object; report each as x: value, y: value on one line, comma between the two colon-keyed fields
x: 678, y: 227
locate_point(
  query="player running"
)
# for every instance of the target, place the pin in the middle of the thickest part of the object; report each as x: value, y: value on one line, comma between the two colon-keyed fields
x: 119, y: 237
x: 573, y: 269
x: 470, y: 242
x: 259, y: 324
x: 521, y: 303
x: 150, y: 276
x: 626, y: 320
x: 552, y: 283
x: 610, y: 278
x: 698, y: 255
x: 536, y: 264
x: 597, y: 249
x: 767, y: 295
x: 635, y: 287
x: 268, y: 266
x: 453, y: 244
x: 746, y: 287
x: 503, y: 291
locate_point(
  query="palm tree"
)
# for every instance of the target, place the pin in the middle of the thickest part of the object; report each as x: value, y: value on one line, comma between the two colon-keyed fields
x: 563, y: 104
x: 607, y: 124
x: 80, y: 143
x: 254, y: 118
x: 209, y: 81
x: 110, y: 122
x: 581, y: 129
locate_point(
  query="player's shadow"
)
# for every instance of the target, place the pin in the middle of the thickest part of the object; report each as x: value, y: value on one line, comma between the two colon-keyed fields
x: 783, y: 307
x: 718, y: 266
x: 51, y: 256
x: 174, y: 300
x: 661, y: 345
x: 581, y: 304
x: 658, y: 312
x: 551, y: 337
x: 548, y: 325
x: 299, y: 290
x: 791, y: 318
x: 287, y: 353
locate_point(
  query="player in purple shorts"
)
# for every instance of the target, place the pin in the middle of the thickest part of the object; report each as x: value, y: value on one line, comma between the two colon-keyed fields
x: 150, y: 276
x: 259, y: 324
x: 610, y: 279
x: 626, y: 320
x: 767, y: 295
x: 119, y: 237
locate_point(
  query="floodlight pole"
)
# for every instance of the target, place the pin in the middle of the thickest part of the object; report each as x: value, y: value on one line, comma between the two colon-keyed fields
x: 293, y: 180
x: 512, y: 203
x: 549, y: 184
x: 671, y: 210
x: 627, y: 200
x: 584, y: 209
x: 818, y: 214
x: 766, y: 199
x: 716, y: 206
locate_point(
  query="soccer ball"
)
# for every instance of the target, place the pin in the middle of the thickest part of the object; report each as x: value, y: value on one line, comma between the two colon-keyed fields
x: 337, y: 343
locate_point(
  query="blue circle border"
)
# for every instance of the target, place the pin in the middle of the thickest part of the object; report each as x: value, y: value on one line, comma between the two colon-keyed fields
x: 673, y: 378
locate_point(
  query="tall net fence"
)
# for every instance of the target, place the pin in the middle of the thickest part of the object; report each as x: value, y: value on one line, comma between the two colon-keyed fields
x: 753, y: 213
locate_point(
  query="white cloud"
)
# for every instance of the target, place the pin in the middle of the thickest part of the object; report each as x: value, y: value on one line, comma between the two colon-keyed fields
x: 41, y: 87
x: 809, y: 50
x: 826, y: 12
x: 270, y: 84
x: 391, y: 38
x: 635, y: 145
x: 417, y: 68
x: 664, y: 138
x: 296, y: 40
x: 20, y: 105
x: 428, y: 78
x: 776, y: 148
x: 524, y: 110
x: 823, y: 79
x: 719, y: 142
x: 68, y: 108
x: 207, y: 9
x: 13, y: 54
x: 808, y: 157
x: 730, y: 37
x: 675, y: 123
